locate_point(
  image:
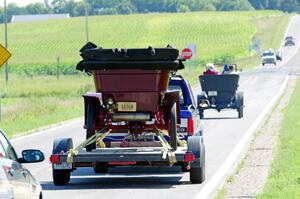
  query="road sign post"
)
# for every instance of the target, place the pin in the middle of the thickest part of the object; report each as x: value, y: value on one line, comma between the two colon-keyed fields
x: 5, y: 34
x: 193, y: 47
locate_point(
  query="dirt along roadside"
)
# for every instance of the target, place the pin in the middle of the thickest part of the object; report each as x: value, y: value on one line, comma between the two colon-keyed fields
x: 252, y: 173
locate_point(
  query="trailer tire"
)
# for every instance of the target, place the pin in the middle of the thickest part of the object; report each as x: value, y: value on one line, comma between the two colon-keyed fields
x: 197, y: 175
x: 90, y: 126
x: 172, y: 126
x: 61, y: 177
x: 197, y: 171
x: 101, y: 167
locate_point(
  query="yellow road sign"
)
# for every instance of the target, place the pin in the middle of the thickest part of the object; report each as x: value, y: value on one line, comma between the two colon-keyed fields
x: 4, y: 55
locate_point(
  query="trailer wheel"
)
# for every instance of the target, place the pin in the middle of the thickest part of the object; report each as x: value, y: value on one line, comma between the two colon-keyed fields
x: 90, y: 126
x: 61, y: 177
x: 172, y: 126
x: 197, y: 171
x: 101, y: 167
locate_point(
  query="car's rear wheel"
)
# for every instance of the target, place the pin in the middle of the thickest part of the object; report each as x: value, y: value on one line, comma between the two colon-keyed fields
x: 239, y: 103
x: 241, y: 112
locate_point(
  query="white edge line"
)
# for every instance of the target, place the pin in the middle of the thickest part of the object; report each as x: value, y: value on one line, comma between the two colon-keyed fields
x: 216, y: 179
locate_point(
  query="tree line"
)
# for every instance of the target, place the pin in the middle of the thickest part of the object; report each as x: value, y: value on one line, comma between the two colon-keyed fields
x: 111, y: 7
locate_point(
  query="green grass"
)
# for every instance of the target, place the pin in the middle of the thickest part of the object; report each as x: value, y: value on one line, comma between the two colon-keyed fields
x: 36, y: 45
x: 220, y: 194
x: 284, y: 177
x: 270, y: 31
x: 30, y: 101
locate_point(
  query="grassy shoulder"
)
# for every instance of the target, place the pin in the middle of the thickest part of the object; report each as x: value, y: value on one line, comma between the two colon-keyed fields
x: 32, y: 103
x: 284, y: 177
x: 270, y: 31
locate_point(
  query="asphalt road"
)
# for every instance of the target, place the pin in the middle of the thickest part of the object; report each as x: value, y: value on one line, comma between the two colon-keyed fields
x: 223, y: 131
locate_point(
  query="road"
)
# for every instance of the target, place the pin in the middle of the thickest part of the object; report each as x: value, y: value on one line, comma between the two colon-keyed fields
x: 223, y: 132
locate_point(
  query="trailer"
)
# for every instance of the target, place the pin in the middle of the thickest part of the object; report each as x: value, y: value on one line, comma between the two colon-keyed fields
x: 132, y: 118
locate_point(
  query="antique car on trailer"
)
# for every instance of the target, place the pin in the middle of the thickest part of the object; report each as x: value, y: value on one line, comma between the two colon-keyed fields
x: 131, y: 98
x: 220, y: 92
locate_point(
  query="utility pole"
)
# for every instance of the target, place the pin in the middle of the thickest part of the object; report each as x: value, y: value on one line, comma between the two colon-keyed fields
x: 86, y: 23
x: 6, y: 43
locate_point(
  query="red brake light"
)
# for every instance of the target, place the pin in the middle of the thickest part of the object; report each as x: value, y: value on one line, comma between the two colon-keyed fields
x: 190, y: 126
x: 188, y: 157
x: 55, y: 159
x: 122, y: 163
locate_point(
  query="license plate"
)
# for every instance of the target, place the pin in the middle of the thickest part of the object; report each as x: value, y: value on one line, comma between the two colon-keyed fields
x: 182, y: 130
x: 183, y: 122
x: 126, y: 106
x: 212, y: 93
x: 63, y: 165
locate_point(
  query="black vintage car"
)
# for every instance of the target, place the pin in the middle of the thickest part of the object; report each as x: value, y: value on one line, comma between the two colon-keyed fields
x: 289, y: 41
x: 220, y: 92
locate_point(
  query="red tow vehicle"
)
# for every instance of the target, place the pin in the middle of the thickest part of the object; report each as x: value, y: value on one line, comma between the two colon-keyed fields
x: 131, y: 98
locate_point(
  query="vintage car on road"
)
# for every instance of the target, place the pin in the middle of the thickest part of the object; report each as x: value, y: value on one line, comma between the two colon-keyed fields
x: 220, y: 92
x: 289, y: 41
x: 131, y: 97
x: 16, y: 182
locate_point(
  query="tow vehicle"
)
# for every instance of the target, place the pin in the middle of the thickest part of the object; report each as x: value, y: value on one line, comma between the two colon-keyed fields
x: 131, y: 97
x: 190, y: 122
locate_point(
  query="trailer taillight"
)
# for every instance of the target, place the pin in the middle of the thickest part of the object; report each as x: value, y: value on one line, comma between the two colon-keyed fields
x: 190, y: 126
x: 188, y: 157
x: 55, y: 159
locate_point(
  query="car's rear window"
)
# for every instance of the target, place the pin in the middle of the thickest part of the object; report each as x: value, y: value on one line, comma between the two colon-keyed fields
x: 268, y: 54
x: 178, y: 88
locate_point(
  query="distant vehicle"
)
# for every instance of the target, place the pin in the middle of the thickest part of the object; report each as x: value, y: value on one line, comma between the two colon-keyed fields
x: 220, y: 92
x: 270, y: 57
x: 15, y: 180
x: 289, y: 41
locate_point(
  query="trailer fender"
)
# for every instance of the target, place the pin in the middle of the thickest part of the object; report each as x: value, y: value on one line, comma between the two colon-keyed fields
x: 169, y: 98
x: 96, y: 99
